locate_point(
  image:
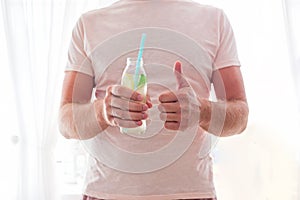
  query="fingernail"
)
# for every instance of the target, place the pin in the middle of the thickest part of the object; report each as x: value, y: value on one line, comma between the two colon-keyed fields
x: 149, y: 104
x: 139, y: 97
x: 138, y: 123
x: 144, y: 116
x: 145, y: 107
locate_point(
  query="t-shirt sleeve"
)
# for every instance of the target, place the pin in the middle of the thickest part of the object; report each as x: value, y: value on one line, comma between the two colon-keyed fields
x: 226, y: 54
x: 77, y: 56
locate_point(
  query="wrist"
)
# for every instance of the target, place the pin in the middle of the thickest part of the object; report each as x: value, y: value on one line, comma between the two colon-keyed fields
x: 205, y: 113
x: 99, y: 111
x: 85, y: 121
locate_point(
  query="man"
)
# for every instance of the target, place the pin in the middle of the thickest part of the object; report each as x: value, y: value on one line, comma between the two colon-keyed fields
x: 180, y: 86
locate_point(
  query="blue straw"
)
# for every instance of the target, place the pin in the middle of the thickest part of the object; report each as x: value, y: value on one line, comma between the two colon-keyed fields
x: 137, y: 67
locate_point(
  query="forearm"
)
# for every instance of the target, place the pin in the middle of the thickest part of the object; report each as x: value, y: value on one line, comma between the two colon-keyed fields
x: 81, y: 121
x: 223, y: 118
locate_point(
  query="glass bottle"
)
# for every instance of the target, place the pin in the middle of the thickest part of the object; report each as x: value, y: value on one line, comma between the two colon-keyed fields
x: 138, y: 83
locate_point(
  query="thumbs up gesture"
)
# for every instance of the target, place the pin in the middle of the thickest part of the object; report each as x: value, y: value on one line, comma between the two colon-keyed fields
x: 179, y: 109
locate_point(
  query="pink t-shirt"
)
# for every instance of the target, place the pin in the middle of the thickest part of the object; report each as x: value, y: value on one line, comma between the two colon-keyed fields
x: 152, y: 167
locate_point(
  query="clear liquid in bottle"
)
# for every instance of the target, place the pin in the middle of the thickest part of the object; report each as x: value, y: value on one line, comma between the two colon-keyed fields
x: 128, y: 80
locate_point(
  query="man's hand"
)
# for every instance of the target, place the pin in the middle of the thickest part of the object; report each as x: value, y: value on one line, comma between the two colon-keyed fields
x: 124, y: 107
x: 179, y: 109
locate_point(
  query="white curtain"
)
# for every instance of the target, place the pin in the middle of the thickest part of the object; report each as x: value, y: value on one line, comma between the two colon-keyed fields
x: 35, y: 40
x: 262, y: 163
x: 292, y: 19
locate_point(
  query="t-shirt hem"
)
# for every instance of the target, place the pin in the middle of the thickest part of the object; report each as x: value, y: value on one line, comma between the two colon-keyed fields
x: 227, y: 64
x: 151, y: 197
x: 80, y: 69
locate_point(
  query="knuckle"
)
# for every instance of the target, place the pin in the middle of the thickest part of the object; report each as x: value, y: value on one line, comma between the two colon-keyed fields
x: 161, y: 108
x: 132, y: 116
x: 126, y: 107
x: 124, y: 114
x: 137, y: 107
x: 140, y: 107
x: 115, y: 89
x: 118, y: 113
x: 140, y: 116
x: 162, y: 116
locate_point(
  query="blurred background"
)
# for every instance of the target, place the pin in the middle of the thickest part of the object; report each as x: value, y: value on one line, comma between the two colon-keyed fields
x: 263, y: 163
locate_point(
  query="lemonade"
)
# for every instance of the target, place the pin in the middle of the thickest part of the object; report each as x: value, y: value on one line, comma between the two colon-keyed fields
x: 128, y: 80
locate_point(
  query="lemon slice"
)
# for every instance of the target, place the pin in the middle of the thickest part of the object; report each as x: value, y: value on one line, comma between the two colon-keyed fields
x: 128, y: 81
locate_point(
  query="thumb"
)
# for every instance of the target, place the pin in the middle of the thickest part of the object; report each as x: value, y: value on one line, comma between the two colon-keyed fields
x: 181, y: 81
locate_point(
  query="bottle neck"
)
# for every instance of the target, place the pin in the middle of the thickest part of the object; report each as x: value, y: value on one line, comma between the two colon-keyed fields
x: 133, y: 61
